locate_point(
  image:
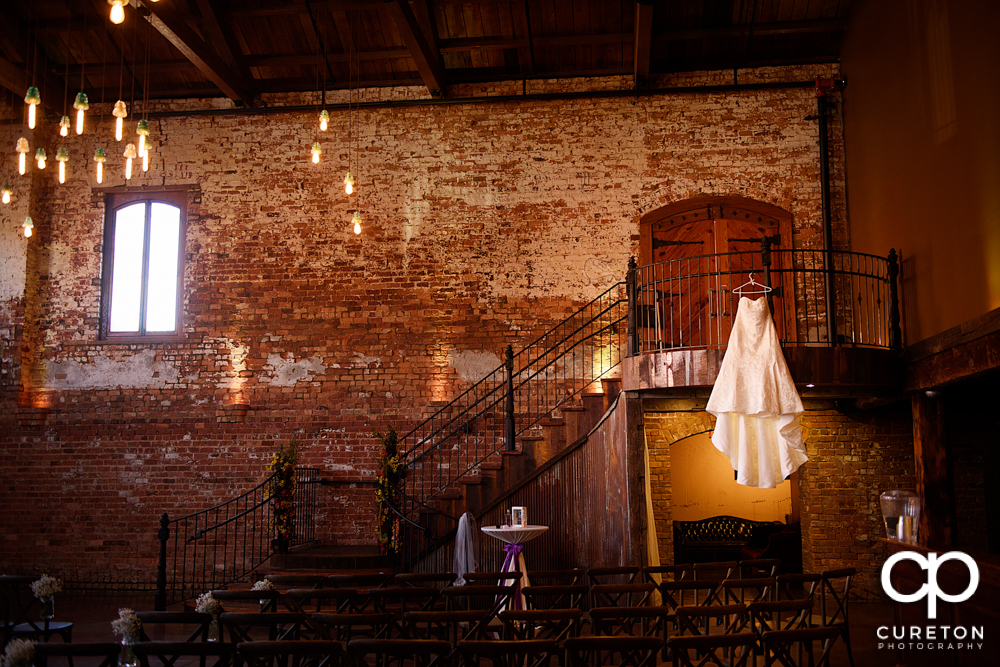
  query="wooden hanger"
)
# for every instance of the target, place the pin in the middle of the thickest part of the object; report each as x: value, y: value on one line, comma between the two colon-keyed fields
x: 761, y: 289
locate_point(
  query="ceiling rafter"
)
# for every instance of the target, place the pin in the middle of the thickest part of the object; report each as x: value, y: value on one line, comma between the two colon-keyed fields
x: 169, y: 23
x: 643, y: 42
x: 427, y: 56
x: 220, y: 28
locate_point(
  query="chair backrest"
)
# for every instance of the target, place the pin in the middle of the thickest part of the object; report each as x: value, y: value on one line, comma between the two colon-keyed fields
x: 746, y: 591
x: 417, y: 652
x: 655, y: 574
x: 267, y: 653
x: 719, y: 571
x: 482, y: 597
x: 107, y: 652
x: 239, y: 599
x: 318, y: 600
x: 361, y: 582
x: 779, y: 615
x: 623, y: 574
x: 733, y: 650
x: 265, y: 625
x: 627, y: 651
x: 439, y: 580
x: 347, y: 626
x: 297, y: 580
x: 15, y: 600
x: 835, y: 594
x: 555, y: 597
x: 167, y: 654
x: 759, y: 567
x: 689, y: 592
x: 620, y: 595
x: 490, y: 578
x: 697, y: 620
x: 796, y: 586
x: 401, y: 599
x: 502, y: 653
x: 173, y: 626
x: 570, y: 577
x: 554, y: 624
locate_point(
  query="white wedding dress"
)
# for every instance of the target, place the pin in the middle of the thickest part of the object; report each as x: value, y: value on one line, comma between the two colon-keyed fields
x: 755, y: 402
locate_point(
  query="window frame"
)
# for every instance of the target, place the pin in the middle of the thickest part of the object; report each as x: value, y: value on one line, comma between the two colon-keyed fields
x: 114, y: 202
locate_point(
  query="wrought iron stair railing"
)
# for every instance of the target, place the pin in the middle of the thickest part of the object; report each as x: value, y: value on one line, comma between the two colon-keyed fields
x: 214, y: 547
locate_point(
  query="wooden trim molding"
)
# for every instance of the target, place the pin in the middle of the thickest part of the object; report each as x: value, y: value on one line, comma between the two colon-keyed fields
x: 960, y: 353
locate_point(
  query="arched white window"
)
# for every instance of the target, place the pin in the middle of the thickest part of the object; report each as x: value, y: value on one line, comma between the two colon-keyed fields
x: 143, y: 268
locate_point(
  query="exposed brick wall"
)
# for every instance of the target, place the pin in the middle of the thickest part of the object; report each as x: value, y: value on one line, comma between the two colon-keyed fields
x: 853, y: 458
x: 483, y: 225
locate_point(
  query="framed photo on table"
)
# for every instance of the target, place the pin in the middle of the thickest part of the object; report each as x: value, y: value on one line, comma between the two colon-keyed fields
x: 518, y: 516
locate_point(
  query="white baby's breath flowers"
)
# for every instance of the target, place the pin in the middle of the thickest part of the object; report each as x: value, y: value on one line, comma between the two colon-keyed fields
x: 207, y: 604
x: 46, y: 586
x: 263, y: 585
x: 19, y: 653
x: 127, y: 625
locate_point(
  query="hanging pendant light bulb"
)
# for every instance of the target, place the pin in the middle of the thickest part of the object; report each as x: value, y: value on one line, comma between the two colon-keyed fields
x: 143, y: 131
x: 119, y: 112
x: 324, y: 120
x: 22, y: 148
x: 81, y: 104
x: 62, y: 155
x: 7, y: 192
x: 40, y: 156
x: 145, y: 157
x: 357, y: 222
x: 117, y: 11
x: 28, y: 225
x: 129, y: 156
x: 316, y: 152
x: 99, y: 157
x: 33, y: 99
x: 349, y: 183
x: 64, y: 126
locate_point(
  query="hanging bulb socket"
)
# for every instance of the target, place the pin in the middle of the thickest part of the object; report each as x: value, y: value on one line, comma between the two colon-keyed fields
x: 357, y: 222
x: 81, y: 104
x: 62, y: 155
x: 100, y: 157
x: 28, y: 225
x: 22, y: 158
x: 40, y: 157
x: 64, y: 126
x: 324, y: 120
x: 117, y: 11
x: 7, y: 192
x: 119, y: 112
x: 349, y: 183
x: 33, y: 98
x: 317, y: 150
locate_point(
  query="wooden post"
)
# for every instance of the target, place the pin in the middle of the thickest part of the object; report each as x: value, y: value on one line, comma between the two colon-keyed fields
x: 635, y: 457
x: 930, y: 453
x: 895, y: 333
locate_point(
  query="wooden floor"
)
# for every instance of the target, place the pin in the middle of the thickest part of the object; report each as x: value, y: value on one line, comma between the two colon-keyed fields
x: 92, y: 614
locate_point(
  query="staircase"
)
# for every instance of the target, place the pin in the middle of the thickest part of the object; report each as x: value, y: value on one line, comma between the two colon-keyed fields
x: 492, y: 436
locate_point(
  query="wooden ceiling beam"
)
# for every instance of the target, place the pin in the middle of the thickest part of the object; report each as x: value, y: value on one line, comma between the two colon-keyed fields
x: 219, y: 27
x: 643, y: 42
x: 286, y: 10
x: 758, y: 29
x: 522, y: 26
x: 294, y: 61
x: 425, y: 55
x: 169, y: 23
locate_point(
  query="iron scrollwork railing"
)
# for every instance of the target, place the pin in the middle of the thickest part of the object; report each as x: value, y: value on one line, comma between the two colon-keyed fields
x: 690, y: 303
x: 217, y: 546
x: 487, y: 418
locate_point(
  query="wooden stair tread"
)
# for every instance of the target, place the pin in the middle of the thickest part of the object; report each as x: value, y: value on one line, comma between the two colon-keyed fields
x: 573, y: 408
x: 491, y: 465
x: 553, y: 421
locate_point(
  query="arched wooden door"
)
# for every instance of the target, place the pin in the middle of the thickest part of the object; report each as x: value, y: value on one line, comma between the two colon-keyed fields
x: 692, y: 255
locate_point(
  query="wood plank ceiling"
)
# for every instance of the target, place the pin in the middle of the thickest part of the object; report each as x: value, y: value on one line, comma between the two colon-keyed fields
x: 243, y: 49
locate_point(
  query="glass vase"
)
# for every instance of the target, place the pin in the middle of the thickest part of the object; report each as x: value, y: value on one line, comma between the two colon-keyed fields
x: 213, y: 629
x: 48, y: 607
x: 126, y: 657
x: 901, y: 512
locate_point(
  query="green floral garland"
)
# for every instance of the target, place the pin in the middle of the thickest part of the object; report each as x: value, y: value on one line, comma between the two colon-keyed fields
x: 283, y: 464
x: 390, y: 472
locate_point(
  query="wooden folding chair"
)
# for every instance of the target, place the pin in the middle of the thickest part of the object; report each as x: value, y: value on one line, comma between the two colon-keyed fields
x: 504, y: 653
x: 556, y: 624
x: 262, y: 626
x: 778, y: 615
x: 412, y: 652
x: 243, y: 600
x: 107, y: 652
x: 835, y: 595
x: 625, y: 651
x: 15, y: 601
x: 622, y: 574
x: 450, y: 626
x: 169, y: 654
x: 555, y: 596
x: 797, y: 586
x: 571, y: 577
x: 696, y: 620
x: 361, y: 582
x: 620, y: 595
x: 688, y: 592
x: 319, y: 600
x: 778, y: 646
x: 732, y: 650
x: 309, y: 653
x: 755, y: 568
x: 489, y: 599
x: 173, y: 626
x: 719, y: 571
x: 746, y: 591
x: 655, y: 574
x: 345, y: 626
x: 285, y: 581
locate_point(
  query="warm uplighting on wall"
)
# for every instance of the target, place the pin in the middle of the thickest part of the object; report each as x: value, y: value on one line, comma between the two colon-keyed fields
x: 100, y: 157
x: 40, y: 158
x: 27, y: 225
x: 64, y: 126
x: 117, y: 11
x: 119, y: 112
x: 324, y: 120
x: 316, y: 152
x: 81, y: 104
x: 129, y: 156
x: 33, y: 99
x: 62, y: 156
x: 357, y: 222
x: 7, y: 192
x: 22, y: 148
x: 349, y: 183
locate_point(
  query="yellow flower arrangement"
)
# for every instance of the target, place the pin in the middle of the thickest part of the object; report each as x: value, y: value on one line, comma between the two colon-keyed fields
x: 283, y: 464
x: 391, y: 471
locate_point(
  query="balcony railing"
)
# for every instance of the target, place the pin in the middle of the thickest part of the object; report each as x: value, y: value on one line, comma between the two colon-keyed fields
x: 690, y: 303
